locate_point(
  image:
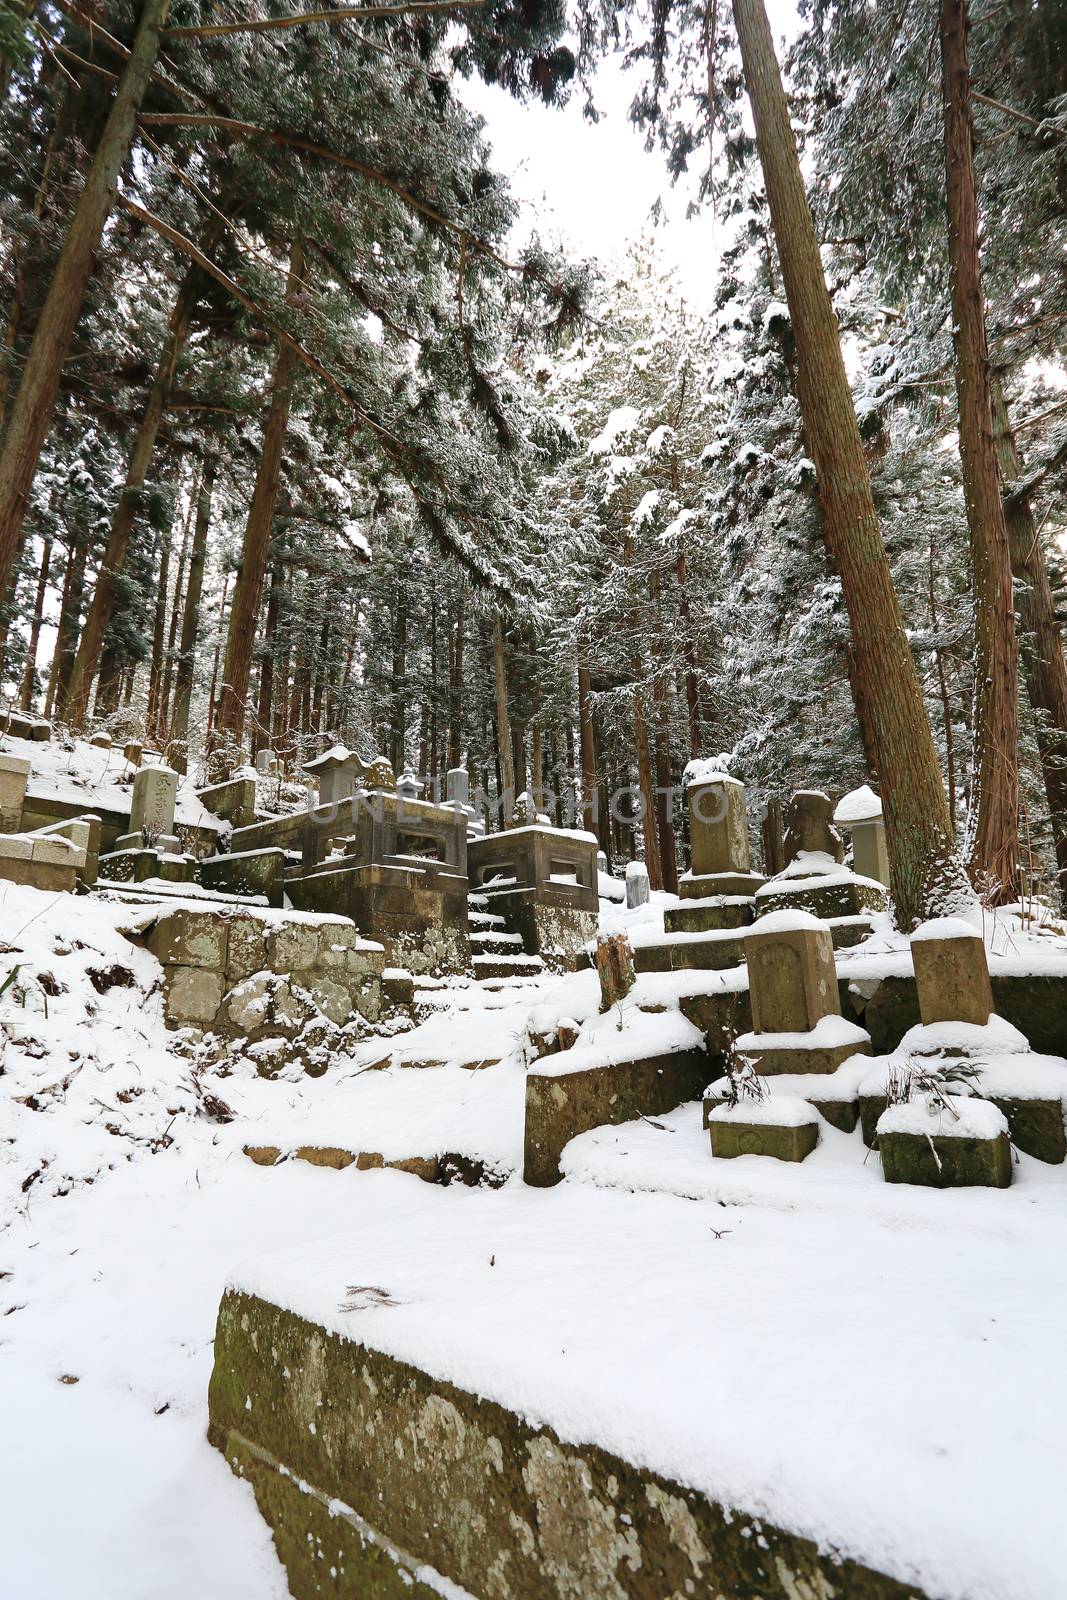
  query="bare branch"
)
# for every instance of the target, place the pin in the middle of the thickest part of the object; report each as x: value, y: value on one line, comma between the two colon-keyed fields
x: 342, y: 14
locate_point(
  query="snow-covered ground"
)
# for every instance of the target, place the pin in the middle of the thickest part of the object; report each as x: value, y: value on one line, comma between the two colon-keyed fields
x: 876, y: 1365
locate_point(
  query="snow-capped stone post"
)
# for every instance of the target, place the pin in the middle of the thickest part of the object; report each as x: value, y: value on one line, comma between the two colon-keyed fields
x: 155, y: 791
x: 14, y: 775
x: 336, y: 773
x: 718, y: 825
x: 809, y: 827
x: 860, y: 815
x: 637, y: 889
x: 951, y: 972
x: 458, y: 787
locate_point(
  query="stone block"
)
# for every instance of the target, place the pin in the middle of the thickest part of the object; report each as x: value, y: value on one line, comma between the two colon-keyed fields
x: 707, y: 916
x: 809, y: 826
x: 292, y: 946
x: 951, y: 972
x: 824, y: 895
x: 16, y: 847
x: 333, y: 999
x: 246, y: 872
x: 718, y: 826
x: 191, y: 939
x: 249, y: 1003
x: 247, y: 951
x: 561, y: 1105
x: 193, y: 996
x: 951, y: 1163
x: 133, y: 750
x: 14, y: 775
x: 101, y: 741
x: 771, y: 1060
x: 733, y: 1134
x: 870, y: 856
x: 709, y: 885
x: 234, y: 801
x: 792, y: 978
x: 57, y: 852
x: 1034, y: 1126
x: 637, y: 889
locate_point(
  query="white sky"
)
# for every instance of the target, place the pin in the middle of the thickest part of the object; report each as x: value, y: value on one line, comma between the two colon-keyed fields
x: 592, y: 186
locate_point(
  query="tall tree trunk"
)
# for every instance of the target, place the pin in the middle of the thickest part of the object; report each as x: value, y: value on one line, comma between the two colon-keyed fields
x: 31, y: 413
x: 398, y: 692
x: 122, y: 523
x: 161, y: 730
x: 503, y: 726
x: 942, y: 685
x: 692, y: 692
x: 248, y: 586
x: 662, y: 745
x: 587, y: 751
x: 30, y: 671
x: 647, y: 784
x: 213, y: 692
x: 925, y: 870
x: 159, y: 634
x: 183, y: 673
x: 1039, y: 633
x: 67, y: 632
x: 455, y: 690
x: 994, y: 822
x: 262, y: 736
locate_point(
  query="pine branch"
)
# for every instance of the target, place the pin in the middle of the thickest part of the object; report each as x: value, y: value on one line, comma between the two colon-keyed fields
x: 249, y: 130
x: 343, y: 14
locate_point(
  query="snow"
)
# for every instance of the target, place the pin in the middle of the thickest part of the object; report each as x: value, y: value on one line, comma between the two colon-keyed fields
x: 829, y: 1033
x: 788, y: 922
x: 859, y: 805
x: 621, y: 421
x: 784, y: 1111
x: 95, y: 779
x: 709, y: 769
x: 962, y: 1117
x: 946, y: 928
x: 844, y: 1084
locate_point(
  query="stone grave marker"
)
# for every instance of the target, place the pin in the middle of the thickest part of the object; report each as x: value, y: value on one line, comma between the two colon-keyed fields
x: 155, y: 791
x: 809, y: 826
x: 860, y: 814
x: 636, y: 885
x: 951, y: 972
x: 14, y: 775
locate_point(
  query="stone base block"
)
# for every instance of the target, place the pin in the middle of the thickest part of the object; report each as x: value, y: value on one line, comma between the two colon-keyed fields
x: 705, y: 916
x: 420, y: 921
x: 549, y: 924
x: 794, y: 1058
x: 247, y: 872
x: 843, y: 1114
x: 380, y: 1482
x: 831, y: 901
x: 1034, y: 1126
x: 561, y: 1105
x: 168, y: 843
x: 719, y: 1016
x: 234, y: 801
x: 705, y: 885
x: 952, y: 1163
x: 713, y: 953
x: 740, y: 1138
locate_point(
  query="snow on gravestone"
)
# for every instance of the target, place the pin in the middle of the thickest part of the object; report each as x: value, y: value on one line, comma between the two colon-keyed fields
x: 951, y: 972
x: 636, y: 885
x: 791, y: 973
x: 860, y: 814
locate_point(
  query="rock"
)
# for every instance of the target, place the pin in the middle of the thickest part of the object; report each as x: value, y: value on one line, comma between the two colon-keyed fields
x: 809, y: 826
x: 194, y: 996
x: 615, y: 969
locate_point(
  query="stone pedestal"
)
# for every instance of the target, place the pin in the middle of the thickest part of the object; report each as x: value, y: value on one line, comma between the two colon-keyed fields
x: 951, y: 973
x: 720, y: 861
x: 14, y: 775
x: 337, y: 773
x: 155, y: 790
x: 787, y: 1130
x: 542, y: 881
x: 860, y: 815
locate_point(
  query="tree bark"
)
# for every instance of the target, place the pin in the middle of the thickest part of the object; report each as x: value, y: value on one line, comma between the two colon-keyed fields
x: 122, y: 523
x: 503, y: 726
x: 587, y: 751
x: 265, y: 706
x: 31, y: 413
x: 183, y: 674
x: 1039, y: 633
x: 994, y: 820
x: 30, y: 671
x: 163, y: 713
x: 455, y: 690
x: 67, y: 632
x: 248, y: 585
x: 159, y: 634
x: 692, y: 692
x: 926, y: 873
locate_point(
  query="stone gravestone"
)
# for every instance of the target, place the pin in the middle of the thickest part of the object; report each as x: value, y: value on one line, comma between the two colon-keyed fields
x: 718, y: 826
x: 793, y: 989
x: 951, y: 972
x: 155, y: 790
x: 809, y: 826
x: 14, y: 775
x: 458, y: 787
x: 636, y: 885
x: 408, y: 787
x: 860, y: 814
x: 602, y: 863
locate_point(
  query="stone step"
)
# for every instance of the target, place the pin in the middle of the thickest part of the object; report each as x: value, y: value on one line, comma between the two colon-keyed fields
x: 485, y: 919
x: 479, y: 901
x: 500, y: 966
x: 482, y: 942
x: 696, y: 952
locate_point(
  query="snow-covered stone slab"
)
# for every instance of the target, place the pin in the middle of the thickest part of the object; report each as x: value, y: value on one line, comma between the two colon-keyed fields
x: 786, y: 1129
x: 956, y: 1143
x: 468, y: 1373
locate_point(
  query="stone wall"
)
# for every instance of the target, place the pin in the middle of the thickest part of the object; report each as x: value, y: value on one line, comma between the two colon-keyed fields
x: 380, y: 1482
x: 255, y: 976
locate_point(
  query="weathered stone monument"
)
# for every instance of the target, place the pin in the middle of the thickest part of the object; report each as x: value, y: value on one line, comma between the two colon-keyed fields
x: 815, y: 879
x: 797, y: 1026
x: 860, y: 815
x: 951, y: 972
x: 717, y: 892
x: 155, y: 791
x: 542, y: 880
x: 337, y: 773
x: 637, y: 890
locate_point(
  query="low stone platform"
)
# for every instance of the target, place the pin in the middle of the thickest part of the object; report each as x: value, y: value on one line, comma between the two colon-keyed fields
x: 690, y: 952
x: 659, y: 1066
